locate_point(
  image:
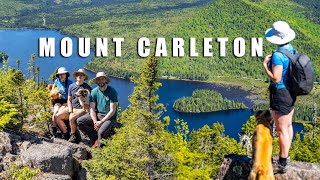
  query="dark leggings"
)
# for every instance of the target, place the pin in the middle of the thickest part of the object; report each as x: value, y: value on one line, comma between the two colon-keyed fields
x: 104, y: 129
x: 85, y: 124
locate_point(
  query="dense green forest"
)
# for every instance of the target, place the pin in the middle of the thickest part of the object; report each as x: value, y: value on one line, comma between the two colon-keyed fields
x: 192, y: 18
x: 205, y: 101
x: 185, y: 19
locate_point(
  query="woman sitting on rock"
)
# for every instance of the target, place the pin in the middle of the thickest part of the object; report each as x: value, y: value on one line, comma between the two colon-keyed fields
x: 62, y: 82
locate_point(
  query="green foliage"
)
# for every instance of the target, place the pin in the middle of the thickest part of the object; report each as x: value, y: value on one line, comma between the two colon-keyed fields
x: 249, y: 127
x: 205, y: 101
x: 139, y: 149
x: 24, y: 173
x: 3, y: 56
x: 7, y: 112
x: 20, y: 99
x: 32, y: 68
x: 53, y: 75
x: 308, y: 148
x: 143, y: 149
x: 213, y: 145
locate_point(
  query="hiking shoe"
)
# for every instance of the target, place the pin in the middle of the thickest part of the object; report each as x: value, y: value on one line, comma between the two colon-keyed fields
x: 65, y: 136
x: 54, y: 131
x: 95, y: 144
x: 73, y: 138
x: 78, y: 136
x: 279, y: 168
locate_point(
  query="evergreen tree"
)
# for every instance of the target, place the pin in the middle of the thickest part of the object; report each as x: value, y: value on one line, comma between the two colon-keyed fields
x: 7, y: 111
x: 31, y: 68
x: 139, y: 150
x: 18, y: 63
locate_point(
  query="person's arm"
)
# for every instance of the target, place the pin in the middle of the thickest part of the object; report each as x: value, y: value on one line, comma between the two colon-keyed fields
x: 113, y: 109
x: 70, y: 100
x: 93, y: 113
x: 70, y: 104
x: 276, y: 73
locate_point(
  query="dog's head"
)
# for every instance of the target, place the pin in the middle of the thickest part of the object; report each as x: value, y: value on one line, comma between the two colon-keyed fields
x: 82, y: 93
x: 263, y: 116
x: 54, y: 93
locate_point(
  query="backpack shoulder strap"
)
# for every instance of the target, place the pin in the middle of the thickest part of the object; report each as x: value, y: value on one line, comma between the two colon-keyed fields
x: 288, y: 53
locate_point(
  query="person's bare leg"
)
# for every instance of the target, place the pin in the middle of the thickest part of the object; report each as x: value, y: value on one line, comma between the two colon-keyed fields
x: 285, y: 132
x: 56, y: 108
x: 290, y: 125
x: 72, y: 120
x: 59, y: 119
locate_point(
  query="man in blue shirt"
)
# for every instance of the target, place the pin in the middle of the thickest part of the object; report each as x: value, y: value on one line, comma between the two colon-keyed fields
x: 281, y: 101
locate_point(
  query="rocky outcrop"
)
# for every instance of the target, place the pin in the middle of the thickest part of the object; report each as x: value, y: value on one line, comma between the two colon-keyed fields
x: 56, y: 158
x: 238, y: 167
x: 49, y: 157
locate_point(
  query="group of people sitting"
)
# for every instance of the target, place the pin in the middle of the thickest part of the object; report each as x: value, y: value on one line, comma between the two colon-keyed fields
x: 94, y: 119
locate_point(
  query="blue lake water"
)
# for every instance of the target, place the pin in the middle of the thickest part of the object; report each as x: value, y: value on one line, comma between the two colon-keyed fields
x: 20, y: 44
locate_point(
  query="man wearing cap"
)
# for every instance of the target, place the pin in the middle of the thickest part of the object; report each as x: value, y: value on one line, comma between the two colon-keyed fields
x: 103, y: 110
x: 62, y: 82
x: 74, y: 108
x: 281, y: 101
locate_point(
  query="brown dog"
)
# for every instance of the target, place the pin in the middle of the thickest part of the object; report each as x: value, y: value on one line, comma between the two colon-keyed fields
x: 54, y: 93
x: 83, y: 95
x: 262, y: 148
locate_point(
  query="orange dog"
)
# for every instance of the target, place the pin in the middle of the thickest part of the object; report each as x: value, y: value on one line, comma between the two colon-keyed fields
x: 54, y: 93
x: 262, y: 148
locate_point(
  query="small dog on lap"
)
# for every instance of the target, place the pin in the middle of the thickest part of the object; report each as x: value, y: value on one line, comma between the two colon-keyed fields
x: 262, y: 147
x: 83, y: 95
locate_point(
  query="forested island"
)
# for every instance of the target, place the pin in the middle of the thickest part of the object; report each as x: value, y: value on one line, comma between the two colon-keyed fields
x: 205, y: 101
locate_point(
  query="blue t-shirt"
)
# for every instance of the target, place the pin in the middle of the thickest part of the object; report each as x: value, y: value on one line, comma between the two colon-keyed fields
x: 282, y: 60
x: 73, y: 89
x: 62, y: 87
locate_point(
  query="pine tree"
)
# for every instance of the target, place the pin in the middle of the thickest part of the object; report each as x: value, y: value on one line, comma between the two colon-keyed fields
x: 31, y: 67
x: 37, y: 73
x: 18, y: 63
x: 139, y: 150
x: 7, y: 111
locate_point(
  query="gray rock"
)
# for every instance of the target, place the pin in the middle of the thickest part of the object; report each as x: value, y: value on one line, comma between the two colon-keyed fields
x: 80, y: 151
x: 51, y: 158
x: 234, y: 167
x: 25, y: 145
x: 9, y: 158
x: 239, y: 167
x: 5, y: 143
x: 82, y: 175
x: 47, y: 176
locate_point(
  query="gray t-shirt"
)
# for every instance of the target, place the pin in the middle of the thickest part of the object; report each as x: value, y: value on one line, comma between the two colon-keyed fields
x: 73, y: 88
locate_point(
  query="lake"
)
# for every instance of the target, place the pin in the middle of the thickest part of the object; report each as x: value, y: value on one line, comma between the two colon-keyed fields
x: 20, y: 44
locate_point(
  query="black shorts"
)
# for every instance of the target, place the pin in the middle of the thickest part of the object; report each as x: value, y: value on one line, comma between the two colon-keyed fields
x: 281, y: 100
x: 60, y: 101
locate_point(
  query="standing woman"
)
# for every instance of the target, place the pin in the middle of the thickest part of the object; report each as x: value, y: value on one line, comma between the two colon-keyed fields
x: 281, y: 101
x: 62, y: 82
